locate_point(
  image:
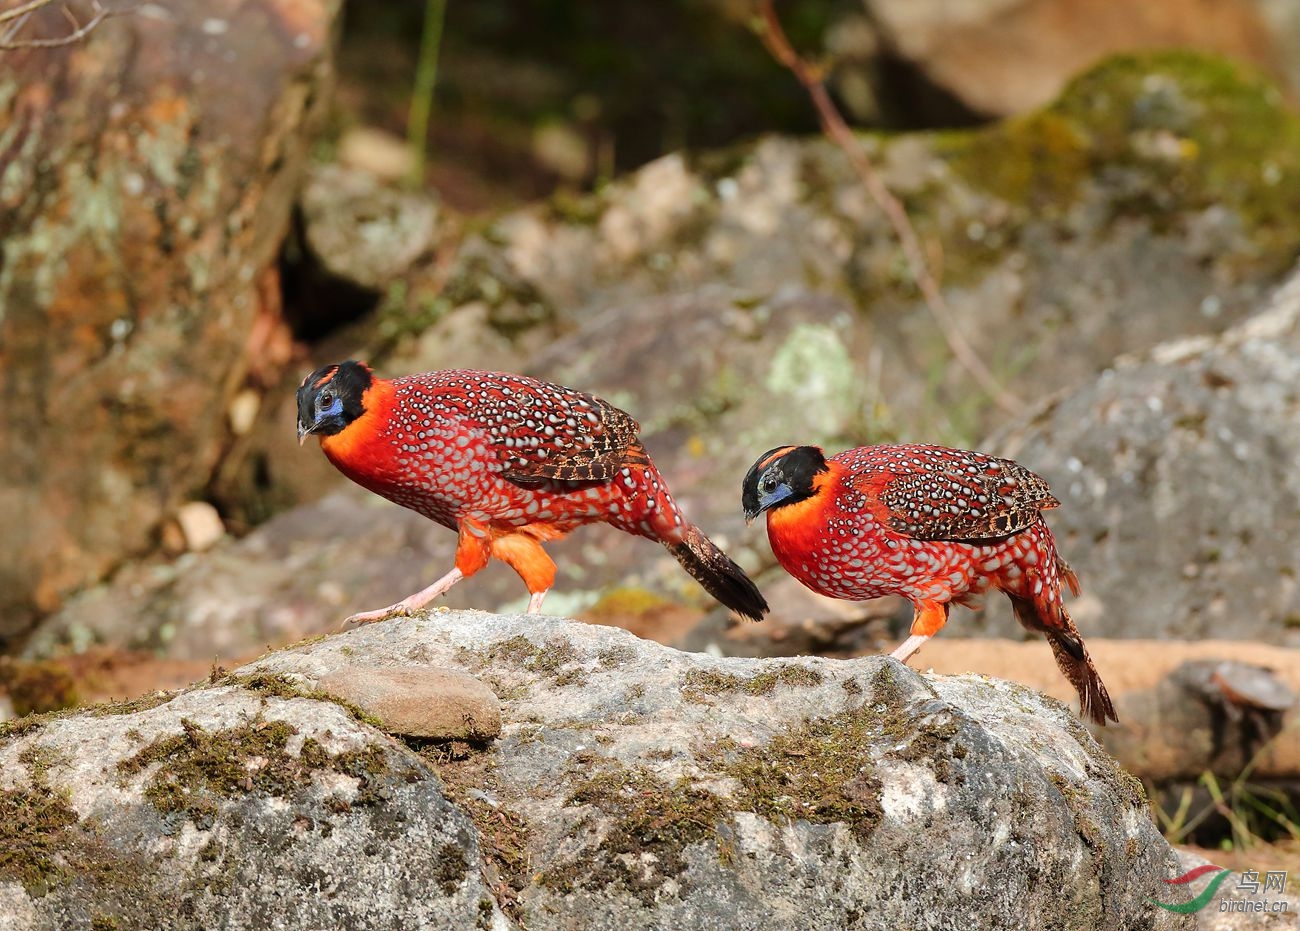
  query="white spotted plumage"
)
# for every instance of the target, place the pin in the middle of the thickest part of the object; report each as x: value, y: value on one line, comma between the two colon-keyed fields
x: 480, y: 445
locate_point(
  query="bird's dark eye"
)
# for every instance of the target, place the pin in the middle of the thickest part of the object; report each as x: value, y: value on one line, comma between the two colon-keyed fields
x: 767, y: 485
x: 326, y: 399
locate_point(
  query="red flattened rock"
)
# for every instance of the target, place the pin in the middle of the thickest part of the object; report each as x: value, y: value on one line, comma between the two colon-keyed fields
x: 420, y: 701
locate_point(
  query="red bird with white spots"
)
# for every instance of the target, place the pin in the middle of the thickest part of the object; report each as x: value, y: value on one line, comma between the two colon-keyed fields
x: 932, y: 524
x: 509, y: 462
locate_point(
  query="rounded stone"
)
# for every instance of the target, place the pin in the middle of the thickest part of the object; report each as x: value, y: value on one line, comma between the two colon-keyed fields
x: 420, y: 701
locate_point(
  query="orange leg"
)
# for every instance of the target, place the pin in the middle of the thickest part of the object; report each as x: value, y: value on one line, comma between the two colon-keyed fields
x: 928, y: 621
x: 472, y: 554
x: 525, y: 555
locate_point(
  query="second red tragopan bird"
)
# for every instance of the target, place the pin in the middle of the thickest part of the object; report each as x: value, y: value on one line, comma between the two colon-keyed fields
x: 932, y: 524
x: 509, y: 462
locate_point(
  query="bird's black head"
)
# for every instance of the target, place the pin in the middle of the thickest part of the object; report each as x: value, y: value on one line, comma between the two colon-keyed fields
x: 780, y: 477
x: 330, y: 398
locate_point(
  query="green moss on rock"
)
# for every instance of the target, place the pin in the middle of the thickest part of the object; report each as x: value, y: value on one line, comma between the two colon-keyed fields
x: 1188, y: 130
x: 33, y: 826
x: 621, y: 604
x: 698, y: 684
x: 197, y: 768
x: 1039, y: 160
x: 1104, y: 768
x: 503, y: 834
x: 452, y: 867
x: 820, y: 771
x: 45, y: 845
x: 556, y: 659
x: 39, y: 760
x: 651, y: 823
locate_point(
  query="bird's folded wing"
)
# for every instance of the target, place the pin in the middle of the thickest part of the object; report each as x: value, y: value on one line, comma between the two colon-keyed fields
x: 1000, y: 499
x: 579, y: 438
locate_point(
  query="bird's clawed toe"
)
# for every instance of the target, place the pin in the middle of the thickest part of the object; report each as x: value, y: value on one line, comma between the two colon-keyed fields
x: 369, y: 617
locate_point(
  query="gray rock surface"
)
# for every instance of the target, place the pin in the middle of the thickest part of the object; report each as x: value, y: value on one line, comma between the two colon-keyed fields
x: 1180, y: 487
x: 633, y: 786
x: 363, y: 231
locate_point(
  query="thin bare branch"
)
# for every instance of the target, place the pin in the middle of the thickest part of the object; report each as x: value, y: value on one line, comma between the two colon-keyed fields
x: 17, y: 18
x: 23, y: 10
x: 839, y: 132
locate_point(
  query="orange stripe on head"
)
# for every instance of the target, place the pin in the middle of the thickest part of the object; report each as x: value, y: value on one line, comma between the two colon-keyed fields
x: 329, y: 373
x: 324, y: 379
x: 773, y: 456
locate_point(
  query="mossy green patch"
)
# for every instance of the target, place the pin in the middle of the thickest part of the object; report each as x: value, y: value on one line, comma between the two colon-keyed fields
x: 698, y: 684
x: 651, y: 822
x: 624, y: 603
x: 45, y: 845
x: 820, y: 771
x: 133, y: 706
x: 1077, y: 800
x: 451, y: 869
x: 1039, y: 160
x: 613, y: 657
x: 484, y: 917
x: 1104, y: 768
x: 1184, y: 130
x: 33, y: 830
x: 932, y: 743
x: 576, y: 209
x: 24, y: 725
x: 198, y: 768
x: 556, y: 659
x: 40, y: 759
x: 34, y: 722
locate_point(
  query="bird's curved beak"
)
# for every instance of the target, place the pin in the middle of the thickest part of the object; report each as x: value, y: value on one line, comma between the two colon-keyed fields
x: 303, y: 433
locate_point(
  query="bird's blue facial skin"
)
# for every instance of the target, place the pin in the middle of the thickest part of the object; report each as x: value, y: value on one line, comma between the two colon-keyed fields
x: 328, y: 415
x: 767, y: 499
x: 322, y: 414
x: 769, y: 490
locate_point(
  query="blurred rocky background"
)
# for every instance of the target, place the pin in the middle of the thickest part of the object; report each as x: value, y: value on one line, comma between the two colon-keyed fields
x: 200, y: 202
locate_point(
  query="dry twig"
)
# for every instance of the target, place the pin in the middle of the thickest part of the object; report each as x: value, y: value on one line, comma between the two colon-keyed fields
x: 13, y: 20
x: 838, y: 131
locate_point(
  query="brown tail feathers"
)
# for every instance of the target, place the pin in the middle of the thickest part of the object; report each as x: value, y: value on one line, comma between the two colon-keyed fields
x: 1071, y: 656
x: 721, y: 577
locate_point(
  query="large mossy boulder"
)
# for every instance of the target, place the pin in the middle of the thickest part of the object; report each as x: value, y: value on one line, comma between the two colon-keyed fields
x: 632, y: 786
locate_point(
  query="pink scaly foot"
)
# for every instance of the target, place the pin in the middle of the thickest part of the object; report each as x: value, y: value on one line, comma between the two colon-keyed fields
x: 407, y: 606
